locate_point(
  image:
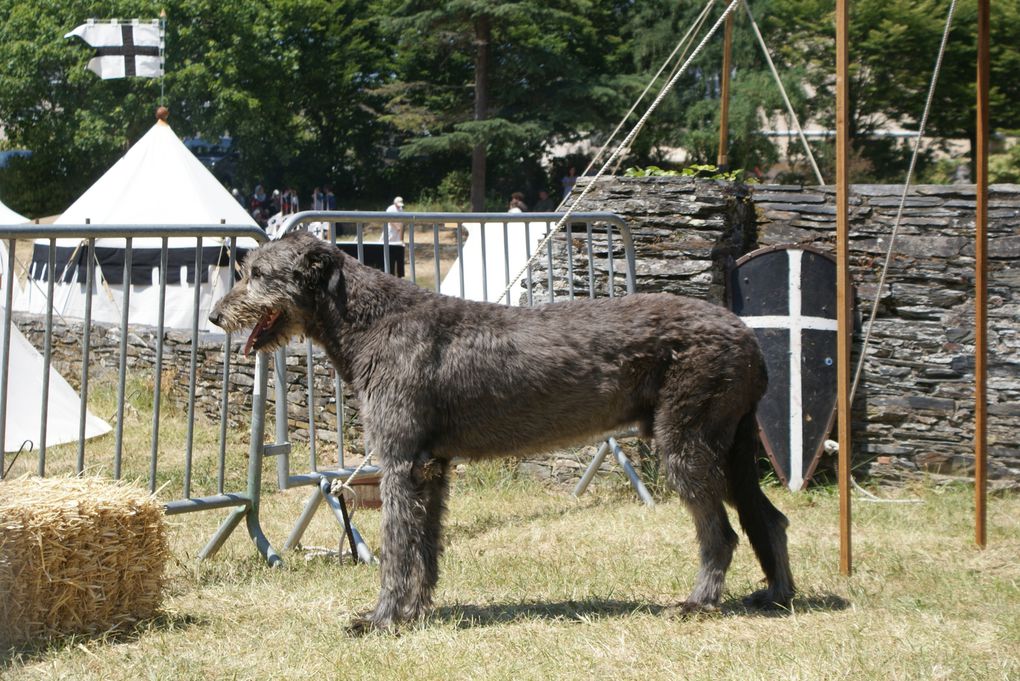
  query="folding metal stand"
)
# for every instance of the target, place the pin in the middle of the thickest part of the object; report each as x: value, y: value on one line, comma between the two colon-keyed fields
x: 359, y: 549
x: 625, y: 464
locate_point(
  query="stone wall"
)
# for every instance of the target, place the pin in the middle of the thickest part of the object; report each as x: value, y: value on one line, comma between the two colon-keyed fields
x: 141, y: 362
x: 915, y: 406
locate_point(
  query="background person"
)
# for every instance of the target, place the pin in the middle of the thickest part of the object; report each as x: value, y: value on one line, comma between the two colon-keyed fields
x: 396, y: 229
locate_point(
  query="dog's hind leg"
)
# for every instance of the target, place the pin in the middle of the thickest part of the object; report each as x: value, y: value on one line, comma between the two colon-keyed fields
x: 413, y: 498
x: 694, y: 470
x: 764, y: 524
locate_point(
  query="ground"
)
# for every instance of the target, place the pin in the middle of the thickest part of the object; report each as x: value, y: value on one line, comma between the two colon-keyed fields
x: 537, y: 584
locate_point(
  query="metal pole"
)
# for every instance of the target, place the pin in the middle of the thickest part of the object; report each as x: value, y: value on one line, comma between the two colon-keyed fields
x: 118, y: 445
x: 843, y: 323
x: 5, y: 361
x: 981, y: 280
x: 722, y: 159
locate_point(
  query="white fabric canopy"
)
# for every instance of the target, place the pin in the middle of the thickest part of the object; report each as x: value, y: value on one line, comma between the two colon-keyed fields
x: 24, y: 401
x: 9, y: 217
x: 157, y: 182
x: 520, y: 242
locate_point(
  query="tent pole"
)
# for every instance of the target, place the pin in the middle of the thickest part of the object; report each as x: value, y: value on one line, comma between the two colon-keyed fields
x: 722, y: 159
x: 844, y: 325
x: 981, y: 279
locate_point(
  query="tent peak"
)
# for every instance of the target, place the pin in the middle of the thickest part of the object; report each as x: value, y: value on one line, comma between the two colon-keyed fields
x: 162, y: 113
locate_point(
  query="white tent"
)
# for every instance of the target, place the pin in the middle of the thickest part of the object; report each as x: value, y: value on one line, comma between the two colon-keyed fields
x: 24, y: 401
x: 24, y: 385
x: 158, y: 182
x: 498, y: 256
x: 9, y: 217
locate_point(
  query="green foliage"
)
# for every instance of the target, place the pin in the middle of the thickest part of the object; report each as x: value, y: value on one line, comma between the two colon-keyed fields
x: 702, y: 170
x: 1005, y: 167
x: 285, y: 78
x: 379, y: 97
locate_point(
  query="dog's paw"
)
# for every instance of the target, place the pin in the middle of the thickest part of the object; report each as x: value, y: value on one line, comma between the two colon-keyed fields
x: 366, y: 623
x: 767, y: 599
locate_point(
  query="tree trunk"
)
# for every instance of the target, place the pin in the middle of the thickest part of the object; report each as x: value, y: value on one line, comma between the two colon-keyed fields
x: 483, y: 31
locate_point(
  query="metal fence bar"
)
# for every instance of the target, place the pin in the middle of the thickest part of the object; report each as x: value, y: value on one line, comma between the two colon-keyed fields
x: 118, y: 447
x: 609, y: 263
x: 310, y: 374
x: 410, y: 252
x: 460, y: 255
x: 47, y: 353
x: 527, y: 254
x: 591, y: 262
x: 549, y: 271
x: 86, y: 348
x: 506, y: 262
x: 192, y: 372
x: 485, y: 266
x: 338, y: 388
x: 385, y: 238
x: 157, y: 379
x: 569, y: 246
x: 225, y: 388
x: 5, y: 364
x: 435, y: 251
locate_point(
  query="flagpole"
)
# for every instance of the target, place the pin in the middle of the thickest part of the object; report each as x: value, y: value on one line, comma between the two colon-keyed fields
x: 162, y: 56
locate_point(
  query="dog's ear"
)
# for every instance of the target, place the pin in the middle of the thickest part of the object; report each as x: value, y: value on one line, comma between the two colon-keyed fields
x: 315, y: 266
x: 320, y: 268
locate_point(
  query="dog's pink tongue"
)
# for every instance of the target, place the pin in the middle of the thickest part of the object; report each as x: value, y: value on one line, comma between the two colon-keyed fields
x: 251, y: 338
x: 264, y: 323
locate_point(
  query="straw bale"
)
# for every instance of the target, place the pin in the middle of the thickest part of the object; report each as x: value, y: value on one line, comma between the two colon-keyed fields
x: 77, y: 556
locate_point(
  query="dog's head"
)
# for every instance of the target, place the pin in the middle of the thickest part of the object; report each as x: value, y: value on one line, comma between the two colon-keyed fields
x: 282, y: 285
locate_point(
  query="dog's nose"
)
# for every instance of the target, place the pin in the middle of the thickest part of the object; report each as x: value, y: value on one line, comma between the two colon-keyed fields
x: 215, y: 317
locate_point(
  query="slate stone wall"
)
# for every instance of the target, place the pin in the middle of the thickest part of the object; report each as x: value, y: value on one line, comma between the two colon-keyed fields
x: 914, y: 409
x: 141, y: 362
x: 915, y: 406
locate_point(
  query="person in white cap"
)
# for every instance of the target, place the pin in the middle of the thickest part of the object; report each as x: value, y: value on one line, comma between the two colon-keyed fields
x: 396, y: 229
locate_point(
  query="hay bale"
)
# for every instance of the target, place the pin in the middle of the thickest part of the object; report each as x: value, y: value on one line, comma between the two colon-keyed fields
x: 77, y: 556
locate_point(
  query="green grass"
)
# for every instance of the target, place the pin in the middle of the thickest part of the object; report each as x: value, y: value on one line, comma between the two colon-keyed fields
x: 536, y: 584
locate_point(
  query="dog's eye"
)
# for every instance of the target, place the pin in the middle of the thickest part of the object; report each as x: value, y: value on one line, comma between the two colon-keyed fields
x: 255, y: 273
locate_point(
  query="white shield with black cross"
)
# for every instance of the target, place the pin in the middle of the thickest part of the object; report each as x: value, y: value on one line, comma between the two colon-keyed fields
x: 787, y: 294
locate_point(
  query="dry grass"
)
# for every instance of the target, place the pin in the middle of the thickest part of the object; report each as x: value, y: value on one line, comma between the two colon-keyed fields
x: 539, y: 585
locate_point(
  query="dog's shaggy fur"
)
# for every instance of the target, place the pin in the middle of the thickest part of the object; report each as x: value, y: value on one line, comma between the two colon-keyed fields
x: 439, y: 377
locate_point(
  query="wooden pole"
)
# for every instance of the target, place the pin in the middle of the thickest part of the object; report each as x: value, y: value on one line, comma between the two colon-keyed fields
x: 981, y: 278
x: 722, y: 159
x: 843, y: 321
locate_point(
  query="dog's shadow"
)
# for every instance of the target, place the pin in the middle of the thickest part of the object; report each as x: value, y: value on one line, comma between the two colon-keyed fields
x: 467, y: 616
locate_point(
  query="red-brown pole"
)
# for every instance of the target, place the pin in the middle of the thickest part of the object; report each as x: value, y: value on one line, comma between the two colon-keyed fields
x: 722, y: 158
x: 981, y: 279
x: 843, y: 322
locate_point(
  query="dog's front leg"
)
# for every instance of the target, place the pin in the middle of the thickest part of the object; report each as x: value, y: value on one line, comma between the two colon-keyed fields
x: 411, y: 500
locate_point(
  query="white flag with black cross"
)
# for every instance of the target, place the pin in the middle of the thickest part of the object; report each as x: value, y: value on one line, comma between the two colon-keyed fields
x: 124, y: 49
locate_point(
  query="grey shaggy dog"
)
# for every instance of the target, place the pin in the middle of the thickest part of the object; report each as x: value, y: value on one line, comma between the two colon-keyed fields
x: 440, y: 377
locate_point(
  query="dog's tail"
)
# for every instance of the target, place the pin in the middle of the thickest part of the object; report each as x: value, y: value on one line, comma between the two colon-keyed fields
x: 764, y: 524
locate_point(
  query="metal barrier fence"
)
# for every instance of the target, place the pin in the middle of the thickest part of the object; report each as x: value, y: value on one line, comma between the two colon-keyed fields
x: 203, y: 472
x: 471, y: 255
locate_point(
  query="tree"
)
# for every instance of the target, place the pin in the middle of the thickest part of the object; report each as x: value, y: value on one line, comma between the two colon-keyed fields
x: 689, y: 117
x: 893, y: 46
x: 285, y: 78
x: 497, y: 80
